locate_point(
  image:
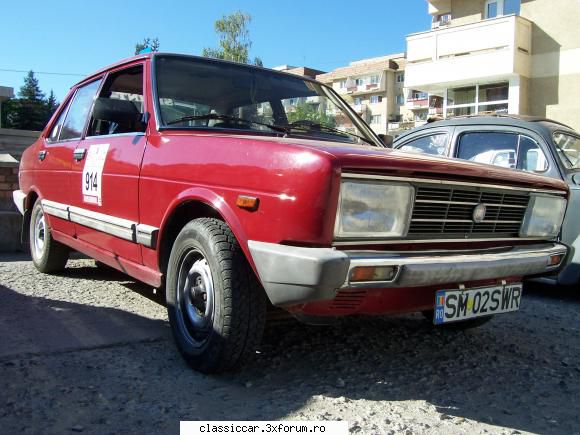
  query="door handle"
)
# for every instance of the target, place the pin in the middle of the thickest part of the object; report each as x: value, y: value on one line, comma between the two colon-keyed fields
x: 79, y: 154
x: 42, y: 155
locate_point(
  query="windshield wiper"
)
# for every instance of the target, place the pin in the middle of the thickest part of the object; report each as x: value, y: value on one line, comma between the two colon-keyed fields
x: 314, y: 126
x: 210, y: 116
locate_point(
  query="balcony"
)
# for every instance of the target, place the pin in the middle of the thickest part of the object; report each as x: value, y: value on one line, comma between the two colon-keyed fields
x: 417, y: 103
x: 488, y: 50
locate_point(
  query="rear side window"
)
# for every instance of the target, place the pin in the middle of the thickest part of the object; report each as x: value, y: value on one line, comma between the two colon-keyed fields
x: 119, y: 106
x: 78, y: 112
x: 432, y: 144
x: 505, y: 149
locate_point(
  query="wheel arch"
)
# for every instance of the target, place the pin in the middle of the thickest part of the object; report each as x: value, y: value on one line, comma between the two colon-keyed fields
x: 192, y: 204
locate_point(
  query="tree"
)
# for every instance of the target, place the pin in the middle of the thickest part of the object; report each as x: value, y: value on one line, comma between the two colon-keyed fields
x: 151, y: 44
x: 234, y: 41
x: 309, y: 112
x: 28, y: 111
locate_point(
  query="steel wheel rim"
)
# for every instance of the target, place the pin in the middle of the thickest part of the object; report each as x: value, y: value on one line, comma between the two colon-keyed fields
x: 39, y: 236
x: 195, y: 297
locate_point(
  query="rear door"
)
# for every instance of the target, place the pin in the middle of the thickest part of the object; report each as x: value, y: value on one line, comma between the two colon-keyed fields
x: 55, y: 156
x: 105, y: 175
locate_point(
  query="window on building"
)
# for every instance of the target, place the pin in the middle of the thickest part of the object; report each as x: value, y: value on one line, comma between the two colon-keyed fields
x: 400, y: 99
x: 478, y: 99
x: 421, y: 115
x: 376, y: 98
x: 444, y: 19
x: 496, y: 8
x: 417, y: 95
x: 359, y: 82
x: 79, y: 111
x: 376, y: 119
x: 432, y: 144
x: 491, y: 9
x: 357, y: 101
x: 374, y: 80
x: 400, y: 77
x: 342, y: 84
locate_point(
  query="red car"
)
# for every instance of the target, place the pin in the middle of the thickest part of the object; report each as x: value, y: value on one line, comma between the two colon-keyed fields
x: 236, y: 187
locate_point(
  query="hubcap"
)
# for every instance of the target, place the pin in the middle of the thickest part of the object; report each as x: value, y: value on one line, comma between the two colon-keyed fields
x: 39, y: 235
x: 195, y: 297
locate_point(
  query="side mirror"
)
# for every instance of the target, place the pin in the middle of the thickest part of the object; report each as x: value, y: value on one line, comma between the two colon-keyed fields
x: 387, y: 140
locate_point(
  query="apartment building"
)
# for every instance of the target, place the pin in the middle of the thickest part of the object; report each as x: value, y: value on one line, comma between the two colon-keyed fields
x: 375, y: 90
x: 497, y: 56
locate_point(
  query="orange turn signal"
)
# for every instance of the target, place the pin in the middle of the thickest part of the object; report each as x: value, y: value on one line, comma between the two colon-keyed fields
x: 248, y: 202
x: 373, y: 273
x: 556, y: 259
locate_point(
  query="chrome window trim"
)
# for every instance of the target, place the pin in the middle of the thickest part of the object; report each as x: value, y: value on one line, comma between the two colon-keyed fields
x: 124, y: 229
x: 445, y: 182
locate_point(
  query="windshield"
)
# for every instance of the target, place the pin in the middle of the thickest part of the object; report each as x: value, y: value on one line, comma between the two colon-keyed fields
x: 568, y: 149
x: 196, y: 93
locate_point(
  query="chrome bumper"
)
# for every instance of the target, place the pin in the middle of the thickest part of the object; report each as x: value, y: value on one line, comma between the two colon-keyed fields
x: 19, y: 198
x: 293, y: 275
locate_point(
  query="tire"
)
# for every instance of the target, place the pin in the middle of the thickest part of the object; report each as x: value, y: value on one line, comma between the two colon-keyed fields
x: 217, y: 322
x: 48, y: 255
x: 461, y: 325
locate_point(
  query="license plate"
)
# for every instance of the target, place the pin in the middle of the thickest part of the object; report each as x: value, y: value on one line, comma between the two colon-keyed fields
x: 454, y: 305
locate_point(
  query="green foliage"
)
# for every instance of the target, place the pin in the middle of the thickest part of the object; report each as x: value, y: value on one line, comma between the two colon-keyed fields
x: 234, y: 41
x: 31, y: 110
x: 152, y: 44
x: 312, y: 113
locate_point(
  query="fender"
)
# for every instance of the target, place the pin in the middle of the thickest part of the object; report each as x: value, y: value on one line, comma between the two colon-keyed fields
x: 213, y: 200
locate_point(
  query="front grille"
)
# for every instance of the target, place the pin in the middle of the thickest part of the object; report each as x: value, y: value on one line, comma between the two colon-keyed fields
x: 447, y: 211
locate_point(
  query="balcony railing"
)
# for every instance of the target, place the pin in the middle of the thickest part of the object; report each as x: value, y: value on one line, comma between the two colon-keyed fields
x: 489, y: 48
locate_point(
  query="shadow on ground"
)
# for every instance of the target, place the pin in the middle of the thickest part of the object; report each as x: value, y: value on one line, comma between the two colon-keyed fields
x: 520, y: 371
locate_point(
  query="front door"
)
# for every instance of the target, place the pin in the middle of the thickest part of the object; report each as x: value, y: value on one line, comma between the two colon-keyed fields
x: 105, y: 173
x: 55, y: 157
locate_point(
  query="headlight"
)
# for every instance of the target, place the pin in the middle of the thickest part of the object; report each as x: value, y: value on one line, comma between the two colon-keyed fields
x: 544, y: 216
x: 373, y: 209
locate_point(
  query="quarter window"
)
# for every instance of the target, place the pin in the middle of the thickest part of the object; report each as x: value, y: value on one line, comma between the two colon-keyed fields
x: 57, y: 127
x: 433, y: 144
x: 79, y: 111
x: 508, y: 150
x: 119, y: 107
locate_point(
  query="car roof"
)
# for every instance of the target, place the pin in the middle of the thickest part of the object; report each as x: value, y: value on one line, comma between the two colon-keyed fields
x: 131, y: 59
x: 538, y: 124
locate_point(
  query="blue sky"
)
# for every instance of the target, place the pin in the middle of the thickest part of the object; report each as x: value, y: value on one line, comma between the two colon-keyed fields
x: 79, y: 37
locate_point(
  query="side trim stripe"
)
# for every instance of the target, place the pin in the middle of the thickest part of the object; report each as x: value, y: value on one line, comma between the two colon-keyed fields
x: 124, y: 229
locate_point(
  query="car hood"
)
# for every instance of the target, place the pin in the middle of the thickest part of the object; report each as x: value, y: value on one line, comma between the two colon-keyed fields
x: 386, y: 161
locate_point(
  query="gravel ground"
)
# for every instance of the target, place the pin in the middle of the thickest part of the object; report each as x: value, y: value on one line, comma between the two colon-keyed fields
x: 90, y: 351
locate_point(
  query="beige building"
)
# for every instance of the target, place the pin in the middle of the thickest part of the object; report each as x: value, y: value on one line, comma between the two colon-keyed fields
x: 375, y: 90
x: 498, y: 56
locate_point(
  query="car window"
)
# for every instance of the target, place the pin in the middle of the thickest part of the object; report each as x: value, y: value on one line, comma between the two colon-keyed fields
x: 432, y: 144
x: 568, y: 148
x: 119, y: 107
x: 78, y: 112
x: 56, y: 128
x: 505, y: 149
x: 201, y: 94
x: 530, y: 156
x: 493, y: 148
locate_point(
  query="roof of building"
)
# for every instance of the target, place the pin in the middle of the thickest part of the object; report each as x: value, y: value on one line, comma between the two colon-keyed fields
x: 391, y: 62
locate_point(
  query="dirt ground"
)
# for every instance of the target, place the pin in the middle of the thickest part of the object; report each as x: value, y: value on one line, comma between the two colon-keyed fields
x: 90, y: 351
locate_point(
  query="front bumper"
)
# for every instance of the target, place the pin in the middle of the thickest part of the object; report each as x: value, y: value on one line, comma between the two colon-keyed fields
x: 19, y: 198
x: 294, y: 275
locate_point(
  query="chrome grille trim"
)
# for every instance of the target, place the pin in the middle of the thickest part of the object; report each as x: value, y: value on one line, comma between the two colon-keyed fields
x: 453, y: 183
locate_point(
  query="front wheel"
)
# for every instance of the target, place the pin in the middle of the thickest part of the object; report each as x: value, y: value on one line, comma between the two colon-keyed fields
x: 48, y: 255
x: 216, y: 306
